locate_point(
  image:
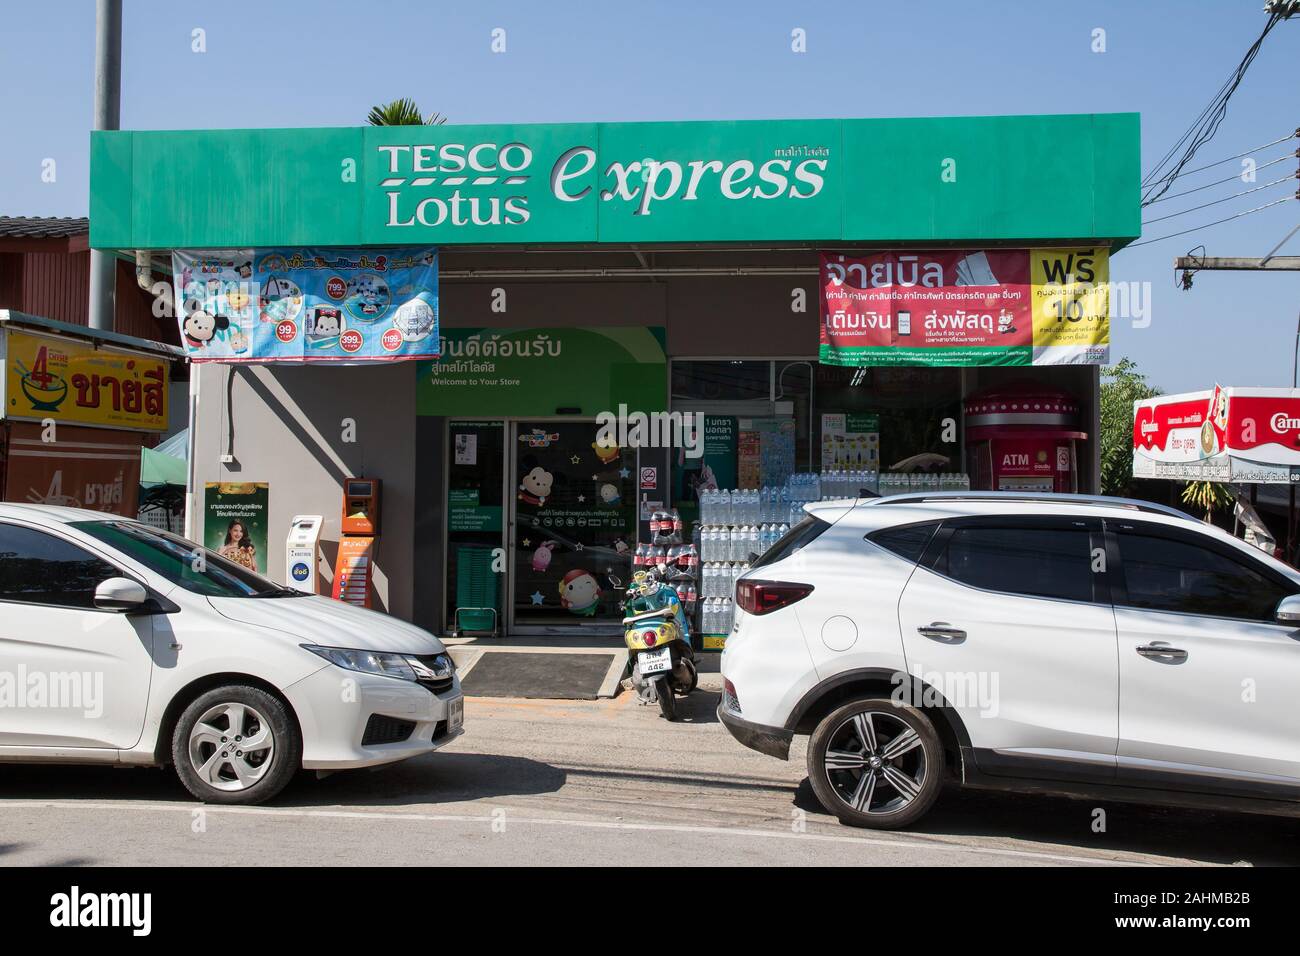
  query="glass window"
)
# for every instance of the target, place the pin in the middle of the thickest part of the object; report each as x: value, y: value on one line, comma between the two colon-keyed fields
x: 1166, y: 574
x: 907, y: 542
x: 39, y: 568
x: 176, y: 559
x: 726, y: 381
x: 801, y: 535
x: 1037, y: 562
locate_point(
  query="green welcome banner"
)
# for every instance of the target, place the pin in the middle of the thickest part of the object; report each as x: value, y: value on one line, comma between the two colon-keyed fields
x: 486, y: 373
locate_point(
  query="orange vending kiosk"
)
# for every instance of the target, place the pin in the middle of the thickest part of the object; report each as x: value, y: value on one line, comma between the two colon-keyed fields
x: 359, y: 523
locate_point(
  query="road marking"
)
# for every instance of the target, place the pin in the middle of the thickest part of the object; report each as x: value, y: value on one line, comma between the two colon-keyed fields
x: 581, y: 823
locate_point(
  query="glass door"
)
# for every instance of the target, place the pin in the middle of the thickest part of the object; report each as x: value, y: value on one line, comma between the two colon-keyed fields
x: 476, y: 513
x: 575, y: 524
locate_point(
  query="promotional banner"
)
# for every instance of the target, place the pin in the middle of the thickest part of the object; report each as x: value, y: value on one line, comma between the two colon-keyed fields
x: 235, y: 521
x: 307, y: 305
x: 966, y: 307
x: 86, y: 468
x: 353, y: 570
x: 1220, y: 434
x: 74, y: 382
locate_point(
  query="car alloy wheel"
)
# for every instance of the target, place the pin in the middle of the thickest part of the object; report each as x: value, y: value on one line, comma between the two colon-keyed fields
x: 231, y: 747
x: 875, y: 763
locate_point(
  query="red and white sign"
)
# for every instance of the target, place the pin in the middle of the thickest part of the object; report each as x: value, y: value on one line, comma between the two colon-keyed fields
x: 1221, y: 434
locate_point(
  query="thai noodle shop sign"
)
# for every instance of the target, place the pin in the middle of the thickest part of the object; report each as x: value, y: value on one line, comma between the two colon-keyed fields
x: 1220, y: 434
x: 307, y: 305
x: 966, y: 307
x: 73, y: 382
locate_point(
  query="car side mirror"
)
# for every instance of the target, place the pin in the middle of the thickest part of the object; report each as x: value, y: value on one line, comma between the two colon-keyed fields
x: 120, y: 594
x: 1288, y: 610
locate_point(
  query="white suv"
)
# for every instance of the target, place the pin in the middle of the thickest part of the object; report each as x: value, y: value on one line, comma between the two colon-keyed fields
x: 1061, y: 643
x: 122, y: 644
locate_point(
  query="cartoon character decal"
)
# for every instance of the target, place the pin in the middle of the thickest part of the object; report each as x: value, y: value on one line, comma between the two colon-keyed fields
x: 542, y: 556
x: 535, y: 487
x: 201, y: 326
x: 609, y: 495
x: 368, y: 296
x: 579, y: 592
x: 326, y: 327
x: 606, y: 450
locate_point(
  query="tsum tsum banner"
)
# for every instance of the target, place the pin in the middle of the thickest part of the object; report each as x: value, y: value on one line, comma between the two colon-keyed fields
x: 966, y: 307
x: 307, y: 305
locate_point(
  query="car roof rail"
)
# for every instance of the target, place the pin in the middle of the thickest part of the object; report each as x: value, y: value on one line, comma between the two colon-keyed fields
x: 1020, y: 497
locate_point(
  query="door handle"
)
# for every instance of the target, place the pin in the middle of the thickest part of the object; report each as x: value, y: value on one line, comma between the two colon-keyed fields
x: 1161, y: 651
x: 942, y: 631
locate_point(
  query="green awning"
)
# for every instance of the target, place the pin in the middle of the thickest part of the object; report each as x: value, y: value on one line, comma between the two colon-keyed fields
x: 157, y: 468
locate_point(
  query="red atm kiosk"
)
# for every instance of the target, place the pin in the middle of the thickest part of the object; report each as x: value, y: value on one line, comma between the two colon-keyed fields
x: 359, y: 523
x: 1023, y: 437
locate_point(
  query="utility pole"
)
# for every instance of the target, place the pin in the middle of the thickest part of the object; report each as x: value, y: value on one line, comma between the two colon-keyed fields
x: 108, y: 115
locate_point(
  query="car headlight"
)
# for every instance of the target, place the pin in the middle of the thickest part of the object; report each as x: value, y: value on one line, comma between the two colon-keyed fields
x: 367, y: 662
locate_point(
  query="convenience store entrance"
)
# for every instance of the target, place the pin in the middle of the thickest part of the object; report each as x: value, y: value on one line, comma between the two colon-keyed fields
x: 539, y: 515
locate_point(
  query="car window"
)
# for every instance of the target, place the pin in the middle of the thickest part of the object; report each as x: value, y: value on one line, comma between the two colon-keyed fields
x: 1037, y: 562
x: 1173, y: 574
x: 183, y: 562
x: 907, y: 542
x: 40, y: 568
x: 799, y: 536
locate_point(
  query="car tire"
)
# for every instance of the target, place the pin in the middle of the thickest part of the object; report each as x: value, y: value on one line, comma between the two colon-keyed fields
x: 900, y: 789
x: 206, y: 749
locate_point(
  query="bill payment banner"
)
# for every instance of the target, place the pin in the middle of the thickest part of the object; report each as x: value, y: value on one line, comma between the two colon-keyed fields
x: 966, y: 307
x: 307, y: 305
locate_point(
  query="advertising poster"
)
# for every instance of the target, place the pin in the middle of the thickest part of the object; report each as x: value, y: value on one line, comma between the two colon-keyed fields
x: 235, y: 521
x: 850, y: 440
x: 352, y: 570
x: 964, y: 307
x: 307, y: 305
x: 71, y: 381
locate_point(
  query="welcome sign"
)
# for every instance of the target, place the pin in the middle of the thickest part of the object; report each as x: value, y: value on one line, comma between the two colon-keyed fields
x: 966, y: 307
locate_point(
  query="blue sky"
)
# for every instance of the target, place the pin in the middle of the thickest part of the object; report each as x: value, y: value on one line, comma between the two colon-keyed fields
x: 277, y: 63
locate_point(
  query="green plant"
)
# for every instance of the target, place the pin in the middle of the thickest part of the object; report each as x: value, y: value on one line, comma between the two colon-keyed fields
x: 1208, y: 496
x: 1121, y: 386
x: 402, y: 112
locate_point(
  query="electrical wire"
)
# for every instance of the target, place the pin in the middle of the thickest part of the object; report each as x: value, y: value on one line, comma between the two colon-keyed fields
x: 1217, y: 222
x: 1201, y: 169
x: 1215, y: 202
x: 1220, y: 182
x: 1203, y: 128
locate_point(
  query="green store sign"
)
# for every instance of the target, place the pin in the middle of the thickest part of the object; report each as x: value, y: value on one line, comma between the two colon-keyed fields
x: 871, y: 180
x: 488, y: 373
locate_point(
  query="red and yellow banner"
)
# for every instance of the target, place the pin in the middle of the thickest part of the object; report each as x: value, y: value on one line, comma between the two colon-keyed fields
x: 966, y: 307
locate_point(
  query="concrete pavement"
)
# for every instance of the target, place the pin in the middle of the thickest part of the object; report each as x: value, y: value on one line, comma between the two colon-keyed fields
x: 572, y: 783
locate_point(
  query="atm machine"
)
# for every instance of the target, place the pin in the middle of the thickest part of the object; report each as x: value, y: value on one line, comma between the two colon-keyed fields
x: 300, y: 550
x: 359, y: 523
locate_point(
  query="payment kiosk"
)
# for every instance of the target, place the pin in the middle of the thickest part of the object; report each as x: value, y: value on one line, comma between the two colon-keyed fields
x: 300, y: 552
x: 359, y: 522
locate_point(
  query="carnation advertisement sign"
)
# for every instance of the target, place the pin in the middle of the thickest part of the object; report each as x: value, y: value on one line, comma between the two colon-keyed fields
x: 1220, y: 434
x: 967, y: 307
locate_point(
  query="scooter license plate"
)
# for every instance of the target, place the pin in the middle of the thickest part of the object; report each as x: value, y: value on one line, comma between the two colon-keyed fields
x: 656, y: 662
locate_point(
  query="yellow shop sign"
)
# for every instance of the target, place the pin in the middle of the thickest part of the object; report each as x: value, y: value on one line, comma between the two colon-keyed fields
x: 72, y: 382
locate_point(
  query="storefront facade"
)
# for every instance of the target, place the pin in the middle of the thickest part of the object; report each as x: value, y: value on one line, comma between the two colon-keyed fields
x: 661, y: 268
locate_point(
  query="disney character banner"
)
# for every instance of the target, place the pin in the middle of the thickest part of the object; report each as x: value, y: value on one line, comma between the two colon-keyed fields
x: 307, y: 305
x: 966, y: 307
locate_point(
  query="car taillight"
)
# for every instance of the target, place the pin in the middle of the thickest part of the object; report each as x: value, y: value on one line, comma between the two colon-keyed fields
x: 762, y: 597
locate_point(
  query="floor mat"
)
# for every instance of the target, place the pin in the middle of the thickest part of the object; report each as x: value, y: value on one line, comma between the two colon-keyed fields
x: 520, y: 674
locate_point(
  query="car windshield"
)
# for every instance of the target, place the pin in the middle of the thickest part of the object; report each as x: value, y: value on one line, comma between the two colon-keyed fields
x: 183, y: 562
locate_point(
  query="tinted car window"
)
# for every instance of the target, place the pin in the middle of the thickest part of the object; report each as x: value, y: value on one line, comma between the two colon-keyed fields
x: 797, y: 537
x: 1039, y: 562
x: 183, y: 562
x: 908, y: 542
x: 39, y: 568
x: 1168, y: 574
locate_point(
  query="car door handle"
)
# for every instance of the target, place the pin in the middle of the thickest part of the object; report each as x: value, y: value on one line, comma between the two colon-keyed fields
x: 942, y: 631
x: 1162, y: 652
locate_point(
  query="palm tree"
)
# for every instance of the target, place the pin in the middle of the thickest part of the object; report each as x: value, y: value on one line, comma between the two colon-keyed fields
x: 402, y: 112
x: 1209, y: 496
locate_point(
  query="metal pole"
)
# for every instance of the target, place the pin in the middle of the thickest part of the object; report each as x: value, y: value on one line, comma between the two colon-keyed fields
x: 108, y: 115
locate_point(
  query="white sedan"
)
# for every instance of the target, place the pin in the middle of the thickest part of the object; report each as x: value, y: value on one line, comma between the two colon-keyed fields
x: 122, y: 644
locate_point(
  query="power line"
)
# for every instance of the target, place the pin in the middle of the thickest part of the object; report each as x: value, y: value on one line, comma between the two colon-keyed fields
x: 1201, y: 169
x: 1203, y: 128
x: 1215, y: 202
x: 1220, y: 182
x: 1217, y: 222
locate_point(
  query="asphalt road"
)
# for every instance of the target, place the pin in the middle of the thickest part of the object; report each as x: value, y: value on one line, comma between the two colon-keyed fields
x: 572, y: 783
